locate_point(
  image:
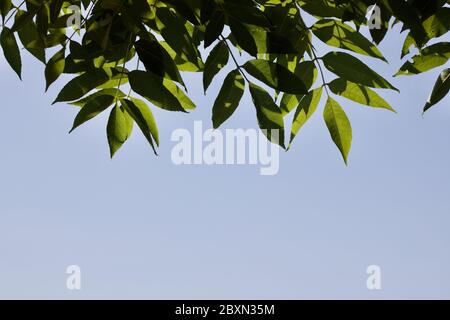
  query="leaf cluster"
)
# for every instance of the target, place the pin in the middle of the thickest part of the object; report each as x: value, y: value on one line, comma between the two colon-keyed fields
x: 147, y: 46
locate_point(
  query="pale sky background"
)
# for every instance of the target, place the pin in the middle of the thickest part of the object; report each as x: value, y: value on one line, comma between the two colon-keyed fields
x: 141, y: 227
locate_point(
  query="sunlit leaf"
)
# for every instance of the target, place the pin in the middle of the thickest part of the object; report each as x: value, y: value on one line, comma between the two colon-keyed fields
x: 341, y: 35
x: 275, y: 76
x: 359, y: 94
x: 119, y: 128
x: 352, y: 69
x: 143, y: 117
x: 91, y: 109
x: 429, y: 58
x: 306, y: 108
x: 339, y: 127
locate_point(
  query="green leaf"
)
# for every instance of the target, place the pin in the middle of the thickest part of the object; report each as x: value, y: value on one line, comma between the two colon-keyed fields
x: 306, y: 108
x: 243, y: 36
x: 270, y: 118
x: 438, y: 24
x: 11, y: 50
x: 182, y: 63
x: 352, y: 69
x: 119, y: 129
x: 276, y: 76
x: 179, y: 94
x: 404, y: 12
x: 174, y: 32
x: 217, y: 59
x: 409, y: 42
x: 184, y: 9
x: 91, y: 109
x: 79, y: 86
x: 143, y: 117
x: 54, y: 68
x: 25, y: 18
x: 338, y: 34
x: 308, y: 73
x: 156, y: 90
x: 440, y: 90
x: 214, y: 28
x: 339, y: 127
x: 358, y: 93
x: 429, y: 58
x: 157, y: 60
x: 247, y: 13
x: 113, y: 92
x: 5, y: 7
x: 228, y: 99
x: 31, y: 39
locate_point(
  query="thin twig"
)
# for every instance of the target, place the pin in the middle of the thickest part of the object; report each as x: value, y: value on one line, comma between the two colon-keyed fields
x: 233, y: 57
x: 13, y: 13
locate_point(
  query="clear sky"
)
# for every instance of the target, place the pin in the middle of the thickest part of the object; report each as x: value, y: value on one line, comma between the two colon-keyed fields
x: 141, y: 227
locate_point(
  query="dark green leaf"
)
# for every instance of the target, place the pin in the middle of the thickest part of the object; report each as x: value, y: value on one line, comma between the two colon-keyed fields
x: 154, y: 90
x: 54, y: 67
x: 91, y: 109
x: 81, y: 85
x: 276, y: 76
x: 5, y: 7
x: 270, y: 118
x: 11, y: 50
x: 157, y: 60
x: 308, y: 73
x: 31, y: 39
x: 214, y: 28
x: 217, y: 59
x: 440, y: 90
x: 228, y: 99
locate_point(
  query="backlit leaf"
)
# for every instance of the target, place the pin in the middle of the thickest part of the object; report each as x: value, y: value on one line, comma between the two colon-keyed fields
x: 339, y: 127
x: 228, y: 99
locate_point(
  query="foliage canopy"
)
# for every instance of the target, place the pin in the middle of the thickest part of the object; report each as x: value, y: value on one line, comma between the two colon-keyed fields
x: 148, y: 45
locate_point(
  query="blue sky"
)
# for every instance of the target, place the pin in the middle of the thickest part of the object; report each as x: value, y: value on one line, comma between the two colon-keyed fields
x: 141, y: 227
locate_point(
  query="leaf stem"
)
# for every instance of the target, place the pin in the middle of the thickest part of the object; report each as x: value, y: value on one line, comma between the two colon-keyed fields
x: 13, y: 13
x: 317, y: 62
x: 123, y: 66
x: 137, y: 68
x: 222, y: 38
